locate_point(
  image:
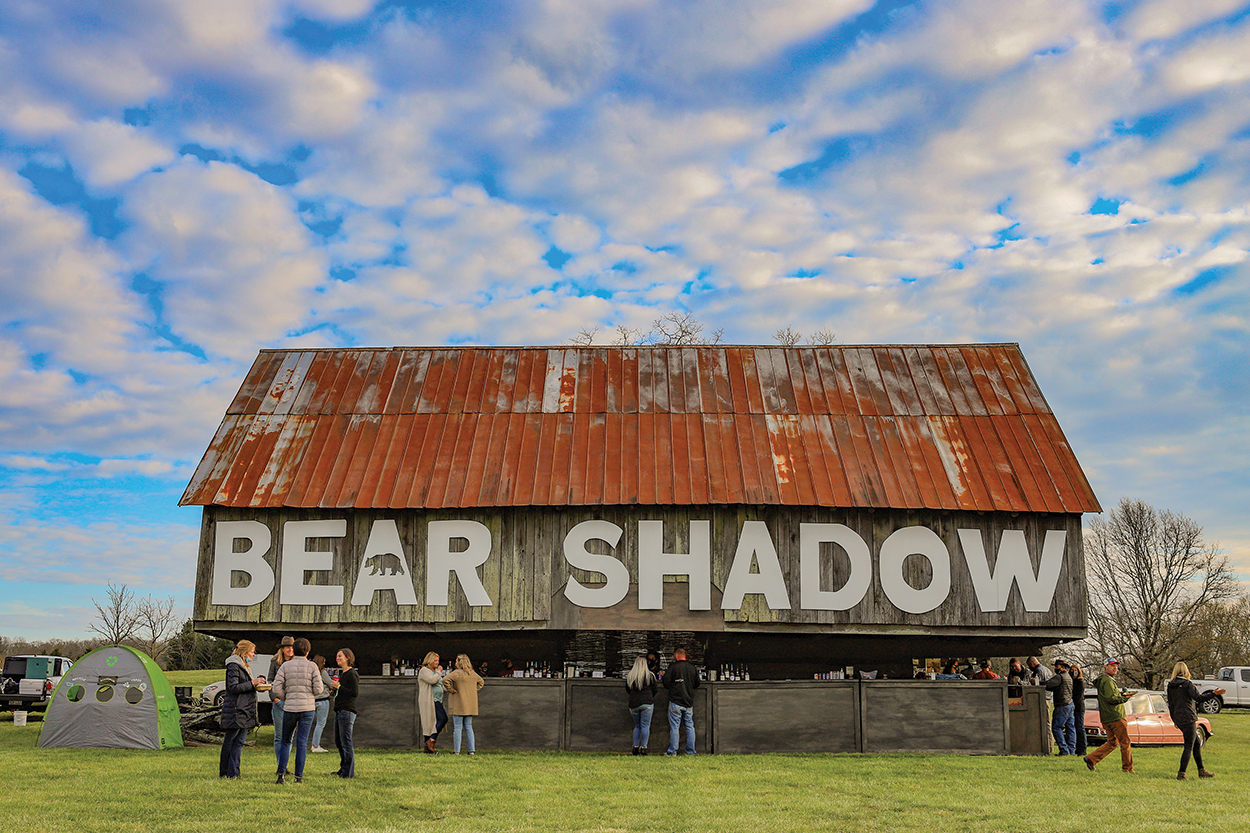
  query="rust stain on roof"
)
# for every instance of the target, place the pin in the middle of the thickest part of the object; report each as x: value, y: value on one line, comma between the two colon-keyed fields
x: 956, y: 427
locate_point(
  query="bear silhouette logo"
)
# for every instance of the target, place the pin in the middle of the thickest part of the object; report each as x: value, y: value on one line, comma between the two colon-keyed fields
x: 386, y: 563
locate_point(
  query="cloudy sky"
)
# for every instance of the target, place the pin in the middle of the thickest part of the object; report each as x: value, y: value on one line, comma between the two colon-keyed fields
x: 184, y: 183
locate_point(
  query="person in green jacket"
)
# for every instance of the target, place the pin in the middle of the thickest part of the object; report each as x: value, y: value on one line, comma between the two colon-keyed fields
x: 1111, y: 700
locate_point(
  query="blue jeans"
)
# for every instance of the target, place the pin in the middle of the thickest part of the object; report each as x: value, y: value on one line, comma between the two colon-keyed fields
x: 276, y: 710
x: 232, y: 752
x: 440, y: 717
x: 344, y: 724
x: 1063, y: 727
x: 297, y: 725
x: 323, y: 712
x: 680, y: 716
x: 642, y: 723
x: 462, y: 723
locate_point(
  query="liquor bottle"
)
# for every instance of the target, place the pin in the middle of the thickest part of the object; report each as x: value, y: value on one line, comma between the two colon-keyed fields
x: 746, y: 674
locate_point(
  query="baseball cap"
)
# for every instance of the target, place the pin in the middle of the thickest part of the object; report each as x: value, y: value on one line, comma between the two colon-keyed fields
x: 1111, y: 661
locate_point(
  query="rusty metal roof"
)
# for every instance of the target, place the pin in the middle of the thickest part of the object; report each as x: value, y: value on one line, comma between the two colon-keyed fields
x: 960, y: 427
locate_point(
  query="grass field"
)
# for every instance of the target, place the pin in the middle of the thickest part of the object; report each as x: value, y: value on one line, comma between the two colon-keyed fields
x: 178, y: 790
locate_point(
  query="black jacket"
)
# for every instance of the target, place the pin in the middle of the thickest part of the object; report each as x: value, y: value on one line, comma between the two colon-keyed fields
x: 238, y: 706
x: 681, y: 679
x: 349, y: 687
x: 1183, y: 700
x: 1060, y: 684
x: 644, y: 696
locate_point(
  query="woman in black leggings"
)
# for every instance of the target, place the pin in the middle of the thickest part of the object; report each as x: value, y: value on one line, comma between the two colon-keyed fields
x: 1183, y: 700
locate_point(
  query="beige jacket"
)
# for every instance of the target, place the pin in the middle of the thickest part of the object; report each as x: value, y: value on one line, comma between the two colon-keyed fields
x: 297, y: 685
x: 462, y: 688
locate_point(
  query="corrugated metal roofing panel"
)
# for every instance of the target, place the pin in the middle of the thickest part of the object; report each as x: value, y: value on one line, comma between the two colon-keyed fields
x: 940, y: 427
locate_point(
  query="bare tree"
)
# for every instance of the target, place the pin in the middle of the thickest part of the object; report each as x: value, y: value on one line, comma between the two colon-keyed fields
x: 787, y: 336
x: 676, y: 328
x: 157, y: 625
x: 628, y: 336
x: 118, y: 620
x: 822, y: 338
x: 1151, y: 575
x: 584, y: 337
x: 1220, y: 637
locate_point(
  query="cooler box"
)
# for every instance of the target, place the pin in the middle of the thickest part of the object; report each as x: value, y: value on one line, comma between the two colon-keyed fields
x: 34, y: 687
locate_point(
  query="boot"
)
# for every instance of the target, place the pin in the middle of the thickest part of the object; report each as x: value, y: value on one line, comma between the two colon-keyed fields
x: 299, y: 779
x: 281, y: 778
x: 642, y: 750
x: 635, y: 752
x: 1203, y: 773
x: 1180, y: 776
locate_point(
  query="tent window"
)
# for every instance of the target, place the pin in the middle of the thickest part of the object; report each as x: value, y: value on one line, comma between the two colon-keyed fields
x: 104, y: 693
x: 133, y: 695
x: 75, y: 693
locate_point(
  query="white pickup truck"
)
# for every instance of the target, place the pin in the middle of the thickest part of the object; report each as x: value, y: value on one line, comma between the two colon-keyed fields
x: 28, y: 680
x: 1235, y: 680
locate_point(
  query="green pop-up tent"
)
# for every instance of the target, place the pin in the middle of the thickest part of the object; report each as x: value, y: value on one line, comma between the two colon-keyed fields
x: 114, y: 697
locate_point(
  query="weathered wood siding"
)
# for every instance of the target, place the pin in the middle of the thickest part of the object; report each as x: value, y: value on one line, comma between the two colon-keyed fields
x: 526, y: 572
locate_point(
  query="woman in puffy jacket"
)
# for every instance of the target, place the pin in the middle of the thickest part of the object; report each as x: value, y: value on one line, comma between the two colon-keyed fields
x: 1183, y: 700
x: 238, y: 707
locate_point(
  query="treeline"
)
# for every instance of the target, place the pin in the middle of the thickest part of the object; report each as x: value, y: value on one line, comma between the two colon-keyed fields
x: 185, y: 651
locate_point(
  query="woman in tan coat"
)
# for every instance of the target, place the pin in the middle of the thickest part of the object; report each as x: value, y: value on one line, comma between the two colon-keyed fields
x: 428, y: 679
x: 463, y: 684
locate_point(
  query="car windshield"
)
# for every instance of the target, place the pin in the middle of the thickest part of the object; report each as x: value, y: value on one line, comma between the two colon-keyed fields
x: 1138, y: 704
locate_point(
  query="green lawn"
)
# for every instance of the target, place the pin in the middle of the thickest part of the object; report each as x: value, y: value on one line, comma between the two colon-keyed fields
x: 123, y: 790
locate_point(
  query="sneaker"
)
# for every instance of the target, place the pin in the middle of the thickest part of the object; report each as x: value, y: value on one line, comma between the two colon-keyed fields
x: 318, y: 749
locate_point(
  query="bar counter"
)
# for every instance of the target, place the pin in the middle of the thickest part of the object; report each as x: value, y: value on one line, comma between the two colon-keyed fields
x: 591, y: 715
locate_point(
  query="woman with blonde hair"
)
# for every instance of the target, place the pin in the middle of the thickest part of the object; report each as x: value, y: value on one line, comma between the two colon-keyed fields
x: 1183, y: 700
x: 238, y: 706
x: 641, y: 686
x: 429, y: 695
x: 463, y: 684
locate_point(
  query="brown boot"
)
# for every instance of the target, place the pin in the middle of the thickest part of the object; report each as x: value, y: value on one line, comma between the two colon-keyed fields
x: 1088, y: 763
x: 1180, y: 776
x: 1202, y: 773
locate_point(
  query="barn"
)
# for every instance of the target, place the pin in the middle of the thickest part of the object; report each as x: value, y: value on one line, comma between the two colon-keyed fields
x: 791, y: 514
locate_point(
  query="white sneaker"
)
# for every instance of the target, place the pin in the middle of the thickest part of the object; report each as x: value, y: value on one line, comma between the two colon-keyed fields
x: 318, y: 749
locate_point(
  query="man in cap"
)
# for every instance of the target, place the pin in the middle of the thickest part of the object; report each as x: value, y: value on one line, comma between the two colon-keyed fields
x: 1062, y: 722
x: 1111, y: 700
x: 286, y: 650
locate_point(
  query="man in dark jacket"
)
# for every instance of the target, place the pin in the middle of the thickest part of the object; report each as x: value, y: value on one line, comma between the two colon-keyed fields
x: 681, y: 679
x: 1063, y: 720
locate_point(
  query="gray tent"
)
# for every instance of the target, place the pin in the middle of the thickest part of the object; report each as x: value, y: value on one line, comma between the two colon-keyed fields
x: 114, y: 697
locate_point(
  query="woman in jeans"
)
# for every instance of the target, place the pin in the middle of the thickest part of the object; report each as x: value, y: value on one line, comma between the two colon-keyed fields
x: 238, y: 706
x: 462, y: 685
x: 641, y: 686
x: 322, y: 702
x: 1183, y: 700
x: 346, y: 685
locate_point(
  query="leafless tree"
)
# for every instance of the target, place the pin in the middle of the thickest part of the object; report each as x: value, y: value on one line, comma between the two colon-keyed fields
x: 677, y: 328
x: 628, y: 336
x: 118, y: 620
x: 1220, y: 637
x: 822, y: 338
x: 787, y: 336
x: 1151, y: 575
x: 157, y: 625
x: 584, y: 337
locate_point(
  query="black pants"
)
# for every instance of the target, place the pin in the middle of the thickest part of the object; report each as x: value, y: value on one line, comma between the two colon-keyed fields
x: 1192, y: 745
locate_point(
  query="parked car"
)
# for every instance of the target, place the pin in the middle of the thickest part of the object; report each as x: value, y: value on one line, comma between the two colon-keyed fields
x: 214, y: 693
x: 1235, y: 680
x: 29, y: 680
x: 1149, y: 722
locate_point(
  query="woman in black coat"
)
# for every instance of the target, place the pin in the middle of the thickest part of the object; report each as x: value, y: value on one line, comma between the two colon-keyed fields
x: 1183, y: 700
x: 1078, y: 714
x: 238, y: 707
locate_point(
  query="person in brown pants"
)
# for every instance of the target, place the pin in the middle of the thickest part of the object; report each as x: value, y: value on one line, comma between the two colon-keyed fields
x: 1111, y: 710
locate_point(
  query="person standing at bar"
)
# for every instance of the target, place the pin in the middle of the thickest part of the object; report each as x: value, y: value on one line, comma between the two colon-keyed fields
x: 1062, y: 721
x: 346, y: 685
x: 1078, y: 703
x: 463, y: 684
x: 298, y: 683
x: 680, y: 680
x: 642, y: 687
x: 427, y: 678
x: 238, y: 706
x: 286, y: 650
x: 1111, y: 702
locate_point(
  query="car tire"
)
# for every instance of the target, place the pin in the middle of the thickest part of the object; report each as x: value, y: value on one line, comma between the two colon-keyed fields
x: 1203, y: 735
x: 219, y: 699
x: 1212, y: 706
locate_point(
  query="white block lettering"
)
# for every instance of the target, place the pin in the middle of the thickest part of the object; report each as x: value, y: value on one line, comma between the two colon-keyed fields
x: 768, y: 582
x: 441, y: 562
x: 915, y: 540
x: 851, y: 593
x: 297, y: 562
x: 1013, y: 565
x: 654, y: 564
x: 251, y: 561
x: 385, y: 567
x: 614, y: 572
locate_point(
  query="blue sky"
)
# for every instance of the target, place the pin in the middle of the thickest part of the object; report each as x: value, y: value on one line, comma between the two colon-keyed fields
x: 183, y: 184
